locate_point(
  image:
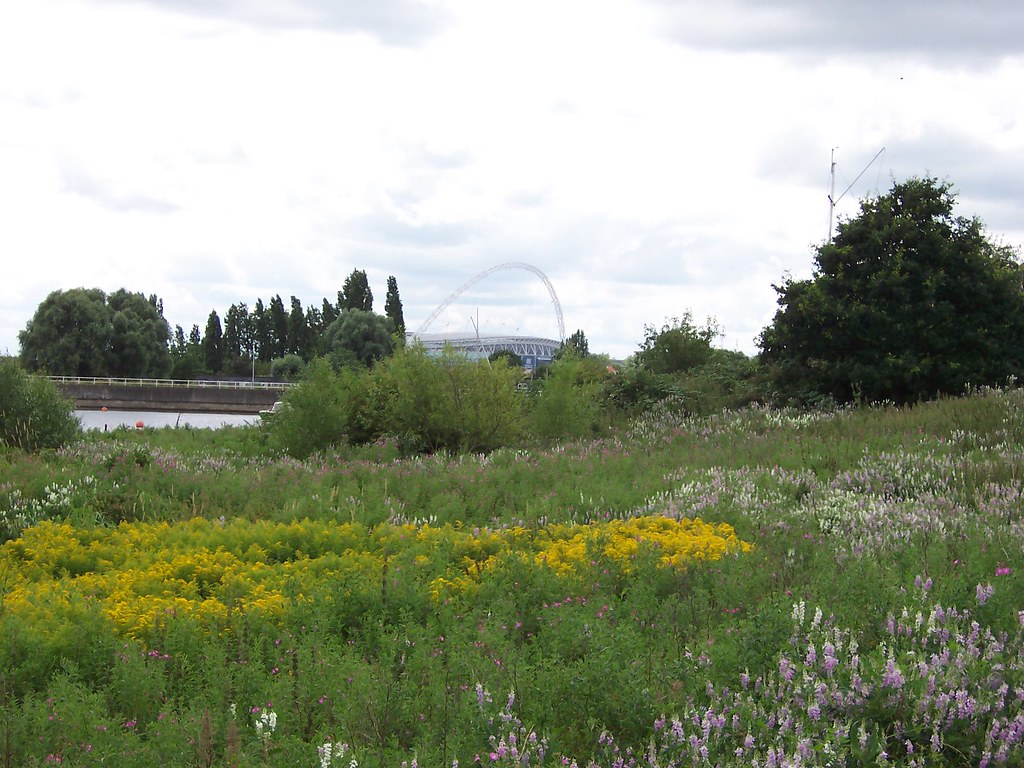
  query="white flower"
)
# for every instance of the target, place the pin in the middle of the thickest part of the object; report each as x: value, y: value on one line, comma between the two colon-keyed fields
x: 266, y: 723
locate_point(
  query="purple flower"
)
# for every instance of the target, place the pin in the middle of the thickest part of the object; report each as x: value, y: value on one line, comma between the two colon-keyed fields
x: 786, y: 668
x: 983, y: 593
x: 892, y: 678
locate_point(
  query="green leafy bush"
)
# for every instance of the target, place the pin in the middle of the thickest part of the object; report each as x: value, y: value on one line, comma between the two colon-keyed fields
x: 315, y: 414
x: 728, y: 380
x: 33, y: 412
x: 566, y: 404
x: 447, y: 403
x: 635, y: 389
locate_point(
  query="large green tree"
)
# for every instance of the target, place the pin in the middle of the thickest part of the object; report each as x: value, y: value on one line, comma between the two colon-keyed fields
x: 278, y: 327
x: 236, y: 336
x: 355, y: 292
x: 83, y: 332
x: 315, y: 327
x: 69, y: 334
x: 393, y: 306
x: 358, y: 338
x: 328, y: 313
x: 300, y: 339
x: 907, y: 302
x: 259, y: 321
x: 139, y: 335
x: 186, y: 353
x: 213, y: 350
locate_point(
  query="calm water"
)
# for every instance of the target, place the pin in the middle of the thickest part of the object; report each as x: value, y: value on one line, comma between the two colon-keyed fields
x: 107, y: 420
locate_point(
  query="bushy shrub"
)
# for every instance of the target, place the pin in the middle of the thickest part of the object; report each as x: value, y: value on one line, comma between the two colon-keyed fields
x: 33, y: 412
x: 566, y: 402
x: 635, y: 389
x: 315, y: 415
x: 728, y: 380
x: 425, y: 404
x: 447, y: 403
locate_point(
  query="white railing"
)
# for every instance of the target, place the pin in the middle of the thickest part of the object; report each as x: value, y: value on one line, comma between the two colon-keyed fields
x: 210, y: 383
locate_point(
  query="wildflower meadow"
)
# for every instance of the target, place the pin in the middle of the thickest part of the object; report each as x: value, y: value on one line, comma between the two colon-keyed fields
x: 757, y: 587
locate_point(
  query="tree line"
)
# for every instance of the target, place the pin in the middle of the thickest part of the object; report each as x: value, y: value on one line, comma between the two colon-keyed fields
x: 347, y: 330
x: 85, y: 332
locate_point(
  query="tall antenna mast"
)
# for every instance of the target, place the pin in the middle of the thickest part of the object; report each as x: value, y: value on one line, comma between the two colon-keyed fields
x: 832, y: 199
x: 831, y: 196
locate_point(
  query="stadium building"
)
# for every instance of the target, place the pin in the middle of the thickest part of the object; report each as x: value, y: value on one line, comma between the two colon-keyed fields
x: 532, y: 350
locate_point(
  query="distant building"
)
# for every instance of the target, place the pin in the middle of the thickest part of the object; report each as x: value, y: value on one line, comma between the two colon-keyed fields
x: 532, y: 350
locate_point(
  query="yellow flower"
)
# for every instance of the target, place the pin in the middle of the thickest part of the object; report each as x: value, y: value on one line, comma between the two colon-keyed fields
x: 141, y: 575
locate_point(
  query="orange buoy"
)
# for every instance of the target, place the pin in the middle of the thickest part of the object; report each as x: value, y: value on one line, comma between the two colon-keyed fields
x: 138, y: 424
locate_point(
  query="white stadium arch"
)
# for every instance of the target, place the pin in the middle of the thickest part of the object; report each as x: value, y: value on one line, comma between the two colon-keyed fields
x: 487, y: 272
x: 533, y: 350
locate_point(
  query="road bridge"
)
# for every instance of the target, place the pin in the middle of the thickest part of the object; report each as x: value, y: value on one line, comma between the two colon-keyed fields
x: 174, y: 395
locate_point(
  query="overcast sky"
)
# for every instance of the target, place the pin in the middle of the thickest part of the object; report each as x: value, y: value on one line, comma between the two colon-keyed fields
x: 650, y: 157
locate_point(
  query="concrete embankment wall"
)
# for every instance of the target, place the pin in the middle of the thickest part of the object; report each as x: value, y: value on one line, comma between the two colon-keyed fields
x: 185, y: 399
